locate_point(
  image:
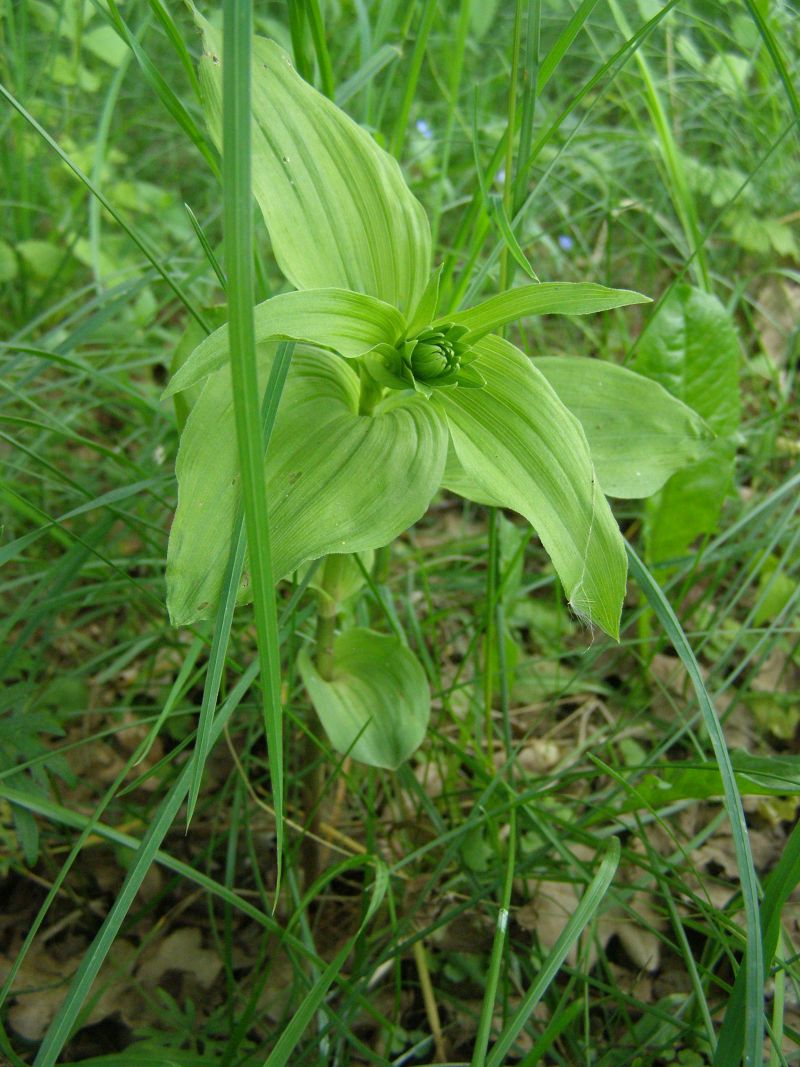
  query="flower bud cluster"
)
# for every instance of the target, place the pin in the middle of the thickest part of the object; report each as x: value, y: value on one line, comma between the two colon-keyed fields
x: 435, y: 355
x: 438, y: 356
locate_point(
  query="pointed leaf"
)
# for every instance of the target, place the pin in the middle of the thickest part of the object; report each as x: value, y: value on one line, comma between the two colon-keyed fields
x: 337, y: 207
x: 425, y: 311
x: 497, y: 213
x: 548, y: 298
x: 523, y: 450
x: 337, y: 481
x: 456, y: 479
x: 690, y: 503
x: 335, y: 319
x: 376, y: 705
x: 692, y: 350
x: 639, y: 435
x: 193, y: 335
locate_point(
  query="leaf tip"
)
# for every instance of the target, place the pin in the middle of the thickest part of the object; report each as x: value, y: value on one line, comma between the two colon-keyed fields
x: 596, y: 616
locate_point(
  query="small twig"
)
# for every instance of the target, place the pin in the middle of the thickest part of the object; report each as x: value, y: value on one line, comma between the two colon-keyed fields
x: 429, y: 999
x: 353, y: 848
x: 338, y: 804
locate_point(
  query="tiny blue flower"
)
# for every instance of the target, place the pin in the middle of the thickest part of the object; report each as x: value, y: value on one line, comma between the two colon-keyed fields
x: 566, y: 242
x: 500, y: 178
x: 424, y: 129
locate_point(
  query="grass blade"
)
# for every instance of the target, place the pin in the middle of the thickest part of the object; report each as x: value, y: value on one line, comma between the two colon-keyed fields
x: 780, y: 885
x: 418, y: 55
x: 162, y: 89
x: 176, y: 39
x: 682, y: 196
x: 285, y: 1046
x: 317, y: 26
x: 89, y: 824
x: 386, y: 54
x: 208, y: 251
x: 224, y: 620
x: 61, y: 1026
x: 581, y: 917
x: 754, y: 953
x: 490, y: 996
x: 777, y: 57
x: 238, y: 227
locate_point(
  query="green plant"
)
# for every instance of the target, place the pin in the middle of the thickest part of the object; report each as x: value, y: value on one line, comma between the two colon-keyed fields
x: 387, y: 400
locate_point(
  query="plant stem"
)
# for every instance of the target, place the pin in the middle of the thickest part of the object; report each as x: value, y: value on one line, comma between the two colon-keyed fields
x: 456, y: 70
x: 238, y: 229
x: 429, y: 999
x: 506, y: 270
x: 371, y: 392
x: 380, y: 568
x: 417, y: 57
x: 490, y: 632
x: 314, y: 781
x: 326, y: 627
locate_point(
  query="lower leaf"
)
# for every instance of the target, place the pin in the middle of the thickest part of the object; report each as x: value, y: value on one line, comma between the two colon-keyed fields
x: 337, y: 481
x: 376, y: 705
x: 334, y: 319
x: 519, y: 447
x: 689, y: 504
x: 638, y: 433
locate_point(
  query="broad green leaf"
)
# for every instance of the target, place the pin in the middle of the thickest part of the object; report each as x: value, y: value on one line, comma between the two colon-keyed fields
x: 337, y: 481
x: 105, y: 43
x: 639, y: 435
x: 755, y: 776
x: 42, y: 258
x: 457, y: 480
x: 337, y: 207
x: 377, y: 703
x: 344, y: 322
x: 522, y: 449
x: 692, y: 350
x: 776, y: 588
x: 547, y: 298
x: 538, y: 680
x: 690, y: 503
x: 8, y: 262
x: 482, y: 16
x: 192, y: 336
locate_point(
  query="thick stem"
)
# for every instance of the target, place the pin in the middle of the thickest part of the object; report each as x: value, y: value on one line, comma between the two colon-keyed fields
x: 371, y: 392
x: 315, y: 778
x: 380, y: 568
x: 326, y: 629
